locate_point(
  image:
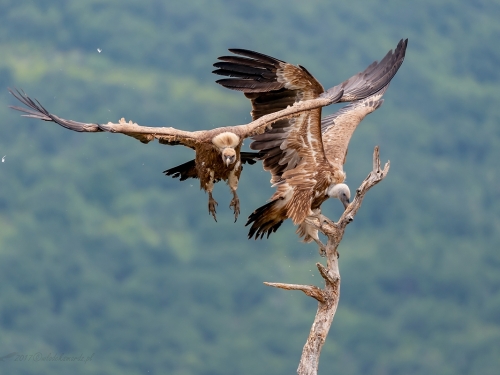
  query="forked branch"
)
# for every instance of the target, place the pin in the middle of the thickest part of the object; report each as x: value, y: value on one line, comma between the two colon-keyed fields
x: 328, y: 297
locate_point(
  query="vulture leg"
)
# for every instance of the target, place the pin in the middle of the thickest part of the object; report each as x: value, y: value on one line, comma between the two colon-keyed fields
x: 310, y: 233
x: 235, y: 205
x: 322, y: 247
x: 232, y: 181
x: 212, y: 203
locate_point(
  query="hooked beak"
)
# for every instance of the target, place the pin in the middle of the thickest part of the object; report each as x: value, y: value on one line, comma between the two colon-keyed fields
x: 345, y: 201
x: 229, y: 160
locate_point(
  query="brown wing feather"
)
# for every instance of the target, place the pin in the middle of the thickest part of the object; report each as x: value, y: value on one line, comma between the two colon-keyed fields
x: 183, y: 171
x: 338, y: 128
x: 144, y: 134
x: 266, y: 219
x: 309, y: 174
x: 39, y: 112
x: 271, y: 85
x: 278, y: 157
x: 188, y: 169
x: 374, y: 78
x: 296, y: 184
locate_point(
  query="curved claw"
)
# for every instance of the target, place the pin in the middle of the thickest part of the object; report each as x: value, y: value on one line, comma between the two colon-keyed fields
x: 322, y: 250
x: 321, y: 246
x: 212, y: 203
x: 235, y: 205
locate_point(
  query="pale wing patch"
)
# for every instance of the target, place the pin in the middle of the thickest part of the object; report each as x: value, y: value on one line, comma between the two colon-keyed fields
x: 339, y: 127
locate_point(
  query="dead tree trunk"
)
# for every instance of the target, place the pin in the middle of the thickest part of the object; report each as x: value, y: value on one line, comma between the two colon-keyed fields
x: 328, y: 298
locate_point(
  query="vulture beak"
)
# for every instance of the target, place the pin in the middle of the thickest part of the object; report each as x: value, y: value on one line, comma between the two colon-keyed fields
x: 228, y: 156
x: 229, y: 160
x: 345, y: 200
x: 341, y: 192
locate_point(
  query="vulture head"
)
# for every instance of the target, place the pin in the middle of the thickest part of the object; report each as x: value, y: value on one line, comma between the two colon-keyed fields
x: 226, y: 142
x: 228, y: 156
x: 341, y: 192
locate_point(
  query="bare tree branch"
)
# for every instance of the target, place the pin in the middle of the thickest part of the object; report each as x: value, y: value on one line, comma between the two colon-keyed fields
x: 310, y: 290
x: 327, y: 304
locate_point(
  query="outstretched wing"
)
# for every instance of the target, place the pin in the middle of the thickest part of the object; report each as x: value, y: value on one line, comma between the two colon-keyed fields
x: 260, y: 74
x: 272, y: 85
x: 36, y: 110
x: 338, y: 128
x: 374, y: 78
x: 144, y: 134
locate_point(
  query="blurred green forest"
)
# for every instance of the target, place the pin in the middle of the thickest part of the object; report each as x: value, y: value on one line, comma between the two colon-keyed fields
x: 101, y: 254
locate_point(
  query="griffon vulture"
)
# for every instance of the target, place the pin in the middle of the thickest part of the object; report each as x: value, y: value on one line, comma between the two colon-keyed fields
x: 316, y: 180
x: 305, y: 155
x: 218, y: 155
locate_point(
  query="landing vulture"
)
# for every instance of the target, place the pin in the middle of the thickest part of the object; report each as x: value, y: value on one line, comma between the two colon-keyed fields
x: 218, y: 155
x: 305, y: 154
x: 316, y: 180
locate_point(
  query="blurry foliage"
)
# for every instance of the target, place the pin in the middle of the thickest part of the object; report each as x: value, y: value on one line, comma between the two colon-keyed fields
x: 101, y: 253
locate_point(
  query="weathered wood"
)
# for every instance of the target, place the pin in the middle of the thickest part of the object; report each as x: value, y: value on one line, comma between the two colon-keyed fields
x: 310, y: 290
x: 330, y: 294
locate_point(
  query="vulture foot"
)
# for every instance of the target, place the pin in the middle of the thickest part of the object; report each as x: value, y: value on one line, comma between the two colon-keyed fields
x: 212, y: 203
x: 235, y: 205
x: 322, y: 248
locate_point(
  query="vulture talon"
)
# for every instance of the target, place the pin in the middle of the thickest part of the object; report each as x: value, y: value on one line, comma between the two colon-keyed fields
x: 235, y: 205
x: 212, y: 203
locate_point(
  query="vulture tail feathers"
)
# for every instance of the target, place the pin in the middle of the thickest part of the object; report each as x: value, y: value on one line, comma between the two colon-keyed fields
x: 266, y: 219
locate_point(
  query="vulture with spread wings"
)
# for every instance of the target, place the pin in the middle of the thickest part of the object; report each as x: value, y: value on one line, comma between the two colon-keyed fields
x: 336, y: 131
x: 305, y: 154
x: 217, y: 151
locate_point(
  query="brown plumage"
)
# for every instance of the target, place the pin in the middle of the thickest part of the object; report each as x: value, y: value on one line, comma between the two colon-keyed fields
x: 188, y: 169
x: 217, y: 150
x: 291, y: 197
x: 305, y: 155
x: 218, y: 156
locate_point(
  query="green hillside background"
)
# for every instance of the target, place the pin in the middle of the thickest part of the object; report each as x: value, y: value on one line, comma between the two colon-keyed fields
x: 103, y: 256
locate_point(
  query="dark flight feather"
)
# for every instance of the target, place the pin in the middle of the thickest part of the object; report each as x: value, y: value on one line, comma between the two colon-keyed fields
x: 188, y: 169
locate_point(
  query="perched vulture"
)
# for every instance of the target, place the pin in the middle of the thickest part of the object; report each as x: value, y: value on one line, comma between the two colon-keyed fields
x: 218, y: 155
x: 304, y: 154
x: 317, y: 179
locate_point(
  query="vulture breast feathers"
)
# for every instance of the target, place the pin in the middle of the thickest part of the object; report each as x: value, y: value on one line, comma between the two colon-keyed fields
x: 304, y: 154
